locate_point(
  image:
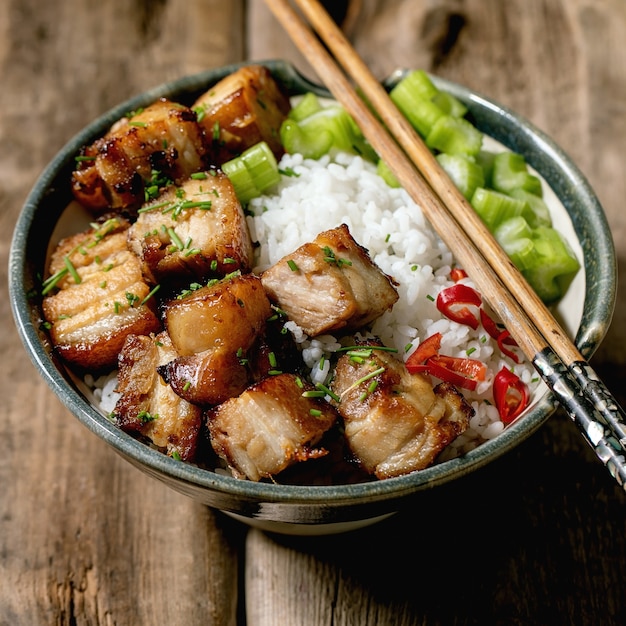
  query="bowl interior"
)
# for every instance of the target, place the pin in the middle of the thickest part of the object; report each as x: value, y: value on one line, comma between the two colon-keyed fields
x: 585, y: 313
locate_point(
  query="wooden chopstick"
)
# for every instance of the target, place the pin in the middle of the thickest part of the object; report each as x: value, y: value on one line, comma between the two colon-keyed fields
x: 571, y: 379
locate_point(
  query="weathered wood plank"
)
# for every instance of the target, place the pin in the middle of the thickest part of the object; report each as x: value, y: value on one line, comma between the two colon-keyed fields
x: 85, y: 538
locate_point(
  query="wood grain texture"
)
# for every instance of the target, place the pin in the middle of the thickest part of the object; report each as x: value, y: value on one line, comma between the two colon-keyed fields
x: 85, y: 538
x: 539, y: 537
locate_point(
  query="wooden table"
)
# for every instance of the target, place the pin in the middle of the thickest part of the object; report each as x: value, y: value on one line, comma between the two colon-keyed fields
x: 537, y: 538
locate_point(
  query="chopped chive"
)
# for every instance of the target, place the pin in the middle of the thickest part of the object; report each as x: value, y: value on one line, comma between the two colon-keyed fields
x: 365, y: 378
x: 175, y: 239
x: 292, y: 265
x: 313, y: 393
x: 51, y: 282
x: 327, y: 391
x: 152, y: 292
x: 366, y: 350
x: 72, y: 270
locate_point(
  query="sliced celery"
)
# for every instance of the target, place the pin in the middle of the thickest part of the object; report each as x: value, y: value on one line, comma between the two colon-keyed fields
x: 555, y: 264
x: 466, y: 174
x: 309, y: 104
x: 328, y: 128
x: 413, y: 95
x: 418, y: 84
x: 511, y: 172
x: 253, y: 172
x: 540, y: 211
x: 421, y: 114
x: 307, y: 142
x: 449, y: 104
x: 485, y: 158
x: 495, y: 207
x: 384, y: 171
x: 516, y: 238
x: 454, y: 135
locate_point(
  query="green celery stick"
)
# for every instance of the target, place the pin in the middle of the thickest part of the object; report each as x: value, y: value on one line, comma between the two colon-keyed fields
x: 254, y: 171
x: 454, y: 135
x: 539, y: 209
x: 511, y: 172
x: 495, y: 207
x: 485, y: 158
x: 466, y: 174
x: 516, y: 238
x: 555, y: 265
x: 383, y: 170
x: 449, y: 104
x: 308, y: 105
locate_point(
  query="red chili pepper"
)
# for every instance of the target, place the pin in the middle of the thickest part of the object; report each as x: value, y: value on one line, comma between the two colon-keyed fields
x: 501, y: 335
x: 461, y: 372
x: 510, y: 395
x: 452, y: 302
x: 428, y: 348
x: 457, y: 274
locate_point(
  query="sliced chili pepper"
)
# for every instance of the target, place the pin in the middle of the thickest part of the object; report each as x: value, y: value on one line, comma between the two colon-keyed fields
x: 428, y: 348
x: 492, y: 328
x: 461, y: 372
x: 501, y: 335
x: 452, y: 302
x: 505, y: 337
x: 457, y: 274
x: 510, y: 394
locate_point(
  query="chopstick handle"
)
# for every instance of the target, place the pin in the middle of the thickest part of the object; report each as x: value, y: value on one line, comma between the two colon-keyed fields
x: 603, y: 400
x: 591, y: 407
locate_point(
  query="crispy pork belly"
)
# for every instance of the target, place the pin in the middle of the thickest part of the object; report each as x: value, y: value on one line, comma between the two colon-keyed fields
x: 242, y: 109
x: 229, y: 313
x: 269, y: 427
x: 101, y: 301
x: 116, y: 169
x: 193, y: 231
x: 207, y: 378
x: 395, y: 422
x: 147, y: 405
x: 330, y: 284
x: 212, y: 330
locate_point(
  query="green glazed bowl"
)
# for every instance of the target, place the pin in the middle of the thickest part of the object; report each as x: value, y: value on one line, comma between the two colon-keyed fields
x: 586, y: 314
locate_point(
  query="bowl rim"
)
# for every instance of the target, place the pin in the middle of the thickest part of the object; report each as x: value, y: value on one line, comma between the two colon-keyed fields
x: 562, y: 177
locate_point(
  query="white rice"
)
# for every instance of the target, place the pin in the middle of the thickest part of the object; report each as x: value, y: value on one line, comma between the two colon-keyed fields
x: 346, y: 189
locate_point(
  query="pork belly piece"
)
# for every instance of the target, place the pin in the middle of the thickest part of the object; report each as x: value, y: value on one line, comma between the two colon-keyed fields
x: 330, y: 284
x: 242, y: 109
x: 102, y: 300
x: 147, y: 405
x: 206, y: 378
x: 212, y: 330
x: 229, y: 313
x: 159, y: 144
x: 193, y: 231
x: 269, y: 427
x: 395, y: 422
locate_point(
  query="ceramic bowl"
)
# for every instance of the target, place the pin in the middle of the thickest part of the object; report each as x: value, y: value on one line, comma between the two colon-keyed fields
x: 586, y: 314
